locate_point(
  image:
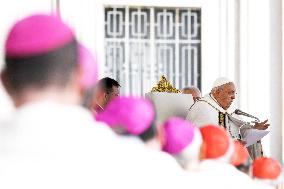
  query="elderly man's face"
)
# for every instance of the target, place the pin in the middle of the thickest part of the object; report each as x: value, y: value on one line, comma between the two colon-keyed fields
x: 225, y: 95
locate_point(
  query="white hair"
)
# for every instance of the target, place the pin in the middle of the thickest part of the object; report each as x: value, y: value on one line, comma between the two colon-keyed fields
x: 192, y: 88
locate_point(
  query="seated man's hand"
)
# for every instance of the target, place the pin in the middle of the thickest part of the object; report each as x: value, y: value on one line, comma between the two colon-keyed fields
x: 261, y: 125
x: 196, y: 98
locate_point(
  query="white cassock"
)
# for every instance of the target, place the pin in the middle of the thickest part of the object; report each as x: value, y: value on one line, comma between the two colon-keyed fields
x: 208, y: 111
x: 214, y: 174
x: 51, y: 145
x: 160, y: 167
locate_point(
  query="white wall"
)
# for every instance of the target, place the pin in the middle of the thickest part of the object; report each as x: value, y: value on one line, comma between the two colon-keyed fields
x: 81, y: 15
x: 254, y: 89
x: 276, y: 79
x: 10, y: 11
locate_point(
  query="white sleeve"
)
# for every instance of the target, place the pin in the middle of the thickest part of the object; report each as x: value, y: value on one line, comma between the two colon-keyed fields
x: 201, y: 114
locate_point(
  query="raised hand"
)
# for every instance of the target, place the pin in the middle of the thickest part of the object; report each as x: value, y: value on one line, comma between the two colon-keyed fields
x: 261, y: 125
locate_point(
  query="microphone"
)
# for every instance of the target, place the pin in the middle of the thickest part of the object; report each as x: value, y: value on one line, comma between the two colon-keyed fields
x: 239, y: 112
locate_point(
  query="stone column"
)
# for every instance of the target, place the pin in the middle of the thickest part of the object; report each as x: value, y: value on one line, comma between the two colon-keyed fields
x: 276, y: 82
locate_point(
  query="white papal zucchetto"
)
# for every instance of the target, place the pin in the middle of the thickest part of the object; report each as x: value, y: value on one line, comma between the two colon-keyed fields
x: 221, y: 81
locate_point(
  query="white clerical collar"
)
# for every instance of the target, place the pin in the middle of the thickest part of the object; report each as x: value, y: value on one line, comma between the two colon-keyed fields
x: 95, y: 112
x: 215, y: 103
x: 100, y: 106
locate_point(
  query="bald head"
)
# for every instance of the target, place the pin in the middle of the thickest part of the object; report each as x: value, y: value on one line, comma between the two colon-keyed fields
x: 194, y: 91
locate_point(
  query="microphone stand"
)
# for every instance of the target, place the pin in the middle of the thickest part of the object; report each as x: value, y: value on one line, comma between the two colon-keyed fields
x: 239, y: 131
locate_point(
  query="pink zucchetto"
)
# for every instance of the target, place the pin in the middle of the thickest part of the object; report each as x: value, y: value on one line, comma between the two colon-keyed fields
x: 89, y: 67
x: 178, y: 135
x: 37, y: 34
x: 135, y: 115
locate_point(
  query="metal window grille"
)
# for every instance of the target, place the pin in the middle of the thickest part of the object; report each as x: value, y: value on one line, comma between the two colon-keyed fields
x: 143, y: 43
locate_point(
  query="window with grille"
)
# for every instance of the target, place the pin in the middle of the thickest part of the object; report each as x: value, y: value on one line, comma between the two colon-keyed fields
x: 144, y: 43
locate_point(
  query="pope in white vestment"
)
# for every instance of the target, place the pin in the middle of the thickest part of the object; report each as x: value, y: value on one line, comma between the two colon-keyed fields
x: 208, y: 111
x: 213, y: 108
